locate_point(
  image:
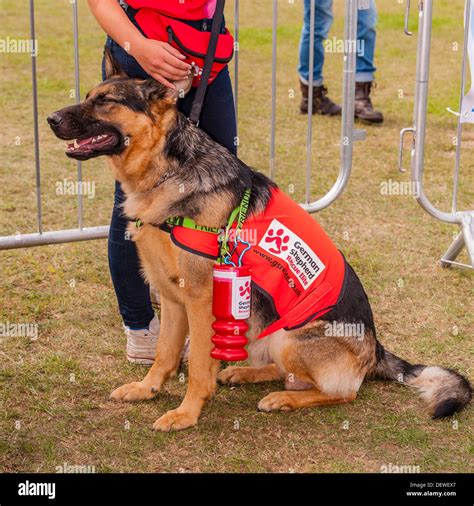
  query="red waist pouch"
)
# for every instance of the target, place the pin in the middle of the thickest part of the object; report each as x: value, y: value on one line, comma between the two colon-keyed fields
x: 189, y: 41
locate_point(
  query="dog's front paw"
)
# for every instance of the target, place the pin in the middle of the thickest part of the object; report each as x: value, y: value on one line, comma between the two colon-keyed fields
x: 232, y: 375
x: 136, y: 391
x: 276, y: 401
x: 175, y: 419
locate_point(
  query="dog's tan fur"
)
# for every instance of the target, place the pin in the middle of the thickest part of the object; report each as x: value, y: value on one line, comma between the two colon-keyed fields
x: 185, y: 284
x: 317, y: 369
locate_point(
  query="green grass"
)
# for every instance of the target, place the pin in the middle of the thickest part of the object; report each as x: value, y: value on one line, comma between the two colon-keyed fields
x: 53, y: 402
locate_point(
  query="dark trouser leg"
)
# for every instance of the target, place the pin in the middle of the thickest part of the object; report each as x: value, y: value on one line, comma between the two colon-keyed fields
x: 218, y: 112
x: 133, y: 294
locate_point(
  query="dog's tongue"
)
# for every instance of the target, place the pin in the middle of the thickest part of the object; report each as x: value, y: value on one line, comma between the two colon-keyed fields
x: 78, y: 143
x: 85, y: 141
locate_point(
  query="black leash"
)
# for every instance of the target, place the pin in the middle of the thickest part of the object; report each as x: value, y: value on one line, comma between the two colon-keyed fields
x: 208, y: 62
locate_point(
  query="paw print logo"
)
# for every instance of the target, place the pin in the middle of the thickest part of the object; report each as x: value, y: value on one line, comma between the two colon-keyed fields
x: 244, y: 290
x: 279, y: 240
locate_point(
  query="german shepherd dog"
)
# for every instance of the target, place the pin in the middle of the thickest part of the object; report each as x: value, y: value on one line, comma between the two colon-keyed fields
x: 155, y: 152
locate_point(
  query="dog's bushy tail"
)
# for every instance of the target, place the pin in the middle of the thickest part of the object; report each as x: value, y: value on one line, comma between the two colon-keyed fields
x: 446, y: 391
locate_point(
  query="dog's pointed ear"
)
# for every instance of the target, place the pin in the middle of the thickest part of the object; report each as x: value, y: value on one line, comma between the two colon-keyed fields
x: 181, y: 87
x: 111, y: 65
x: 153, y: 90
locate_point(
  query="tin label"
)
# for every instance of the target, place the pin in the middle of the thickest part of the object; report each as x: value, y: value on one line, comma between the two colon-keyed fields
x: 241, y: 297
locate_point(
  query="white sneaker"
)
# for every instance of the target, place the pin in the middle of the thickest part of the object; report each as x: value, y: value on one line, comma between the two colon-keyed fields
x: 155, y: 299
x: 156, y: 304
x: 141, y: 344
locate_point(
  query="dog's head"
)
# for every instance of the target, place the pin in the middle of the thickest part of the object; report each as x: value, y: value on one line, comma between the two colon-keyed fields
x: 117, y: 115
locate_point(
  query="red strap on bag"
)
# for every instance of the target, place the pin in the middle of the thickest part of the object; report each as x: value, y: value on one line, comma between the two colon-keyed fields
x: 188, y: 9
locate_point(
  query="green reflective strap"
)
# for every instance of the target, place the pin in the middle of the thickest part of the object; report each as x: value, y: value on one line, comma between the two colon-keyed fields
x: 189, y: 223
x: 179, y: 221
x: 240, y: 212
x: 232, y: 217
x: 174, y: 220
x: 224, y: 250
x: 243, y: 208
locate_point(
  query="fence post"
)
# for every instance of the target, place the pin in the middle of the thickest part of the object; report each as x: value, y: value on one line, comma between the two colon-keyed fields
x: 34, y: 53
x: 465, y: 219
x: 274, y: 65
x: 80, y: 212
x: 348, y: 134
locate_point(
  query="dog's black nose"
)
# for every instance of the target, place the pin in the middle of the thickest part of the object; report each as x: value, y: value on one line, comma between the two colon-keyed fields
x: 55, y: 119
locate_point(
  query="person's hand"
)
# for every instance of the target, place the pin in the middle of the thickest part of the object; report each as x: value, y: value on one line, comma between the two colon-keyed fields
x: 161, y: 61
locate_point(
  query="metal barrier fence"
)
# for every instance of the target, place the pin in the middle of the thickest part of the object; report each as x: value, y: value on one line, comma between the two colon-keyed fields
x: 348, y: 133
x: 464, y: 219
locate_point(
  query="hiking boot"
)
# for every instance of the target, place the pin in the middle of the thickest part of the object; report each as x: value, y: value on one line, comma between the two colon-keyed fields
x: 363, y: 105
x: 141, y: 344
x: 322, y: 104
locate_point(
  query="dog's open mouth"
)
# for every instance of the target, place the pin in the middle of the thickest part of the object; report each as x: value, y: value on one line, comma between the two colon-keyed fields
x: 93, y: 146
x: 97, y: 142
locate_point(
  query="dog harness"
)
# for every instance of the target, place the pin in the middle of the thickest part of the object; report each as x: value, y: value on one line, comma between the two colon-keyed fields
x: 293, y: 261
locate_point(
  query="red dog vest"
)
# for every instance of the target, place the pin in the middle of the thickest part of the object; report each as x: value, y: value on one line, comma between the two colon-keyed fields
x: 292, y: 259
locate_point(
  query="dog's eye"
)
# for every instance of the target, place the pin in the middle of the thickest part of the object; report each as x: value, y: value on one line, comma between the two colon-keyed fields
x: 104, y: 98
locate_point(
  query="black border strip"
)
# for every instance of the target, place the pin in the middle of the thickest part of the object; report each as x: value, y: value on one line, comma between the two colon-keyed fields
x: 243, y: 489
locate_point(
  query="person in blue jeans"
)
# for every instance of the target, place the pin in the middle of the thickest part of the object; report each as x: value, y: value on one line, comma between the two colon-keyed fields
x: 365, y: 69
x: 217, y: 119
